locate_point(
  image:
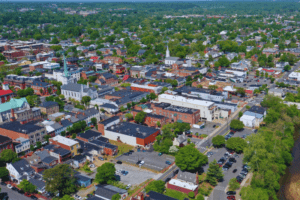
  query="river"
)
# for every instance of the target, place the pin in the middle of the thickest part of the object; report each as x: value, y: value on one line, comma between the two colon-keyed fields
x: 290, y: 182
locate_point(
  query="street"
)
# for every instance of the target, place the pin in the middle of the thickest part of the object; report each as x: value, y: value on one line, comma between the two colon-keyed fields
x: 13, y: 195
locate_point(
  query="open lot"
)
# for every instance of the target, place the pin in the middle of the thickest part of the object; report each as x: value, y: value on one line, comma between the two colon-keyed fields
x: 207, y: 130
x: 151, y: 159
x: 135, y: 175
x: 245, y: 131
x: 253, y: 81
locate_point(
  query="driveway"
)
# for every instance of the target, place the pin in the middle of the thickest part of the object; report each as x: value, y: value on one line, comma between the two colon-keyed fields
x: 207, y: 130
x: 135, y: 175
x: 13, y: 195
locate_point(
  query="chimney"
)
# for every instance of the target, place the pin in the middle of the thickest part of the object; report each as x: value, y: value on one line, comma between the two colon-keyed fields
x: 140, y: 196
x: 101, y: 128
x: 12, y: 118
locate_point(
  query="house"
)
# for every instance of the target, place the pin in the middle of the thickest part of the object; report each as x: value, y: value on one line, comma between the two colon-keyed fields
x: 78, y: 161
x: 13, y: 105
x: 19, y: 170
x: 259, y: 110
x: 107, y: 191
x: 5, y: 94
x: 248, y: 120
x: 59, y: 153
x: 184, y: 182
x: 294, y: 76
x: 49, y: 107
x: 281, y: 64
x: 40, y: 185
x: 129, y: 133
x: 110, y: 108
x: 77, y: 91
x: 83, y: 181
x: 180, y: 141
x: 21, y: 145
x: 107, y: 79
x: 30, y: 130
x: 66, y: 143
x: 258, y: 117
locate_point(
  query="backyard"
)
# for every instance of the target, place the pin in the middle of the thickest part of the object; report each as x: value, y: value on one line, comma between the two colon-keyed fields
x: 122, y: 148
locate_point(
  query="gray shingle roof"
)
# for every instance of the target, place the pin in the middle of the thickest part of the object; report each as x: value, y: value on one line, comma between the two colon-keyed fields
x: 72, y: 87
x: 22, y: 166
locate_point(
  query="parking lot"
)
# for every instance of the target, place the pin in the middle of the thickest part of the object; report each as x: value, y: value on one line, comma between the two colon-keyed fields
x: 135, y: 175
x: 208, y: 129
x: 152, y: 159
x: 244, y: 132
x: 253, y: 81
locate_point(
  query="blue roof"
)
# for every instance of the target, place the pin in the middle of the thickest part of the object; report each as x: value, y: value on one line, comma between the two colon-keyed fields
x: 256, y: 115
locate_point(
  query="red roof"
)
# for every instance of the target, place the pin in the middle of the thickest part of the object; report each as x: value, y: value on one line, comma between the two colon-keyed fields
x: 249, y: 91
x: 5, y: 92
x: 268, y: 70
x: 125, y: 77
x: 5, y: 82
x: 94, y: 57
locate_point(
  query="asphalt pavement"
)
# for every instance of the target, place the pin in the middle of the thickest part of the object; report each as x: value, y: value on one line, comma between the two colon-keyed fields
x: 13, y: 195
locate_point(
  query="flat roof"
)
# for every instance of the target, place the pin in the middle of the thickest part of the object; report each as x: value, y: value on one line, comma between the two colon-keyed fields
x: 64, y: 140
x: 187, y: 100
x: 183, y: 184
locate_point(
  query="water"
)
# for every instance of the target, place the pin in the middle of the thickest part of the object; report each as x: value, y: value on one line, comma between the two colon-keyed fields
x: 290, y: 182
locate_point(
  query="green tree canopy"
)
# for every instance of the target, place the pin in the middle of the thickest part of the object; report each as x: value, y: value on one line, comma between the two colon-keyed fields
x: 105, y: 173
x: 218, y: 141
x: 189, y: 158
x: 8, y: 155
x: 214, y: 173
x: 140, y: 117
x: 60, y: 179
x: 26, y: 186
x: 236, y: 144
x: 236, y: 124
x: 156, y: 186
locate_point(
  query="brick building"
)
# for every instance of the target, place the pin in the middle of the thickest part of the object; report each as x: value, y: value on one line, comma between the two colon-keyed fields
x: 13, y: 55
x: 66, y: 143
x: 117, y: 69
x: 42, y: 88
x: 147, y: 88
x: 5, y: 94
x: 152, y: 119
x: 113, y: 60
x: 129, y: 133
x: 176, y: 113
x: 20, y: 82
x: 49, y: 107
x: 107, y: 79
x: 6, y: 143
x: 29, y: 131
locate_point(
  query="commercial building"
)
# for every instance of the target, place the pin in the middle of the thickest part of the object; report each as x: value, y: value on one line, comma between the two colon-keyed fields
x: 128, y: 133
x: 107, y: 191
x: 276, y: 92
x: 29, y: 131
x: 152, y: 119
x: 66, y: 143
x: 6, y: 143
x: 207, y: 108
x: 43, y: 88
x: 146, y: 88
x: 176, y: 113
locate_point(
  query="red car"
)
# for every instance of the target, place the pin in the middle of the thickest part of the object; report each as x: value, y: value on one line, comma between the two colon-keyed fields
x: 231, y: 197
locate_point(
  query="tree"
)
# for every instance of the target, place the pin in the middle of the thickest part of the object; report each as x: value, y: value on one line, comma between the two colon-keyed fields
x: 3, y: 172
x: 38, y: 145
x: 214, y: 173
x: 46, y: 137
x: 31, y: 147
x: 236, y: 124
x: 257, y: 73
x: 248, y: 107
x: 86, y: 100
x: 189, y: 158
x: 158, y: 123
x: 67, y: 197
x: 233, y: 184
x: 156, y: 186
x: 140, y: 117
x: 212, y: 87
x: 41, y: 91
x: 60, y: 179
x: 240, y: 114
x: 287, y: 68
x: 173, y: 149
x: 236, y: 144
x: 152, y: 95
x: 200, y: 197
x: 218, y: 140
x: 94, y: 121
x: 7, y: 155
x: 105, y: 173
x: 49, y: 90
x: 128, y: 106
x: 191, y: 195
x: 116, y: 197
x: 241, y: 91
x: 129, y: 116
x: 26, y: 186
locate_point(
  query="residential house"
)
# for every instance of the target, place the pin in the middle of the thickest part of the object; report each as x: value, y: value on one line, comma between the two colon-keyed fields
x: 78, y: 161
x: 184, y: 182
x: 49, y: 107
x: 6, y: 143
x: 107, y: 191
x: 21, y: 145
x: 19, y: 170
x: 5, y: 94
x: 66, y: 143
x: 83, y: 181
x: 14, y: 104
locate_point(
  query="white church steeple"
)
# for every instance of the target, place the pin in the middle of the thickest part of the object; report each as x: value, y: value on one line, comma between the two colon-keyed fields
x: 167, y: 52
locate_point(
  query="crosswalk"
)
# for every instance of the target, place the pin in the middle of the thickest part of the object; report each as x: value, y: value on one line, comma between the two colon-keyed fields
x: 221, y: 188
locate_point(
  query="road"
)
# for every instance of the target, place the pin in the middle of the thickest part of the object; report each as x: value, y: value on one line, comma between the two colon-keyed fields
x: 168, y: 174
x: 13, y: 195
x: 285, y: 76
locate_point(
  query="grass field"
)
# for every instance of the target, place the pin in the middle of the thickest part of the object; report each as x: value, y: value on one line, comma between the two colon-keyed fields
x: 122, y: 148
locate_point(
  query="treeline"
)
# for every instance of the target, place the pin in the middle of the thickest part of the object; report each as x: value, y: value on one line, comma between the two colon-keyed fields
x: 269, y: 151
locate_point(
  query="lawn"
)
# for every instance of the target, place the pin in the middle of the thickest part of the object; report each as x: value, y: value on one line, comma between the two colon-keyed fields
x: 122, y: 148
x: 175, y: 194
x: 204, y: 187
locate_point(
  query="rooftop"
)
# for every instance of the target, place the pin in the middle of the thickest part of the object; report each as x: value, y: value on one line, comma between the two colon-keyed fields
x: 183, y: 184
x: 21, y: 128
x: 12, y: 104
x: 64, y: 140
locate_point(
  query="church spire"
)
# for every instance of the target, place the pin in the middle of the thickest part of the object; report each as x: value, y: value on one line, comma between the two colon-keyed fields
x: 167, y: 52
x: 65, y: 68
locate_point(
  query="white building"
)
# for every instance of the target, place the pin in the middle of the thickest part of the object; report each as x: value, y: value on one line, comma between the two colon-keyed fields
x: 51, y: 66
x: 77, y: 91
x: 207, y: 108
x: 294, y: 76
x: 23, y: 146
x: 248, y: 120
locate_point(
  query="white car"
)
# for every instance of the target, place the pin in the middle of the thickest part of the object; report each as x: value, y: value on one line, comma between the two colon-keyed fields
x: 142, y: 162
x: 92, y: 165
x: 77, y: 197
x: 128, y: 186
x: 9, y: 186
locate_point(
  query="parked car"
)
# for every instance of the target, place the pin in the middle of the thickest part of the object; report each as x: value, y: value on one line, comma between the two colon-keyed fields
x: 33, y: 197
x: 138, y: 162
x: 242, y: 175
x: 9, y: 186
x: 231, y: 193
x: 126, y: 154
x: 14, y: 189
x: 124, y: 173
x: 128, y: 186
x: 168, y: 162
x: 92, y: 165
x: 142, y: 162
x: 214, y: 126
x: 209, y: 154
x: 119, y: 162
x: 100, y: 158
x: 21, y: 191
x: 3, y: 183
x: 232, y: 160
x: 4, y: 196
x: 159, y: 154
x: 77, y: 197
x: 235, y: 170
x: 231, y: 197
x: 225, y: 168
